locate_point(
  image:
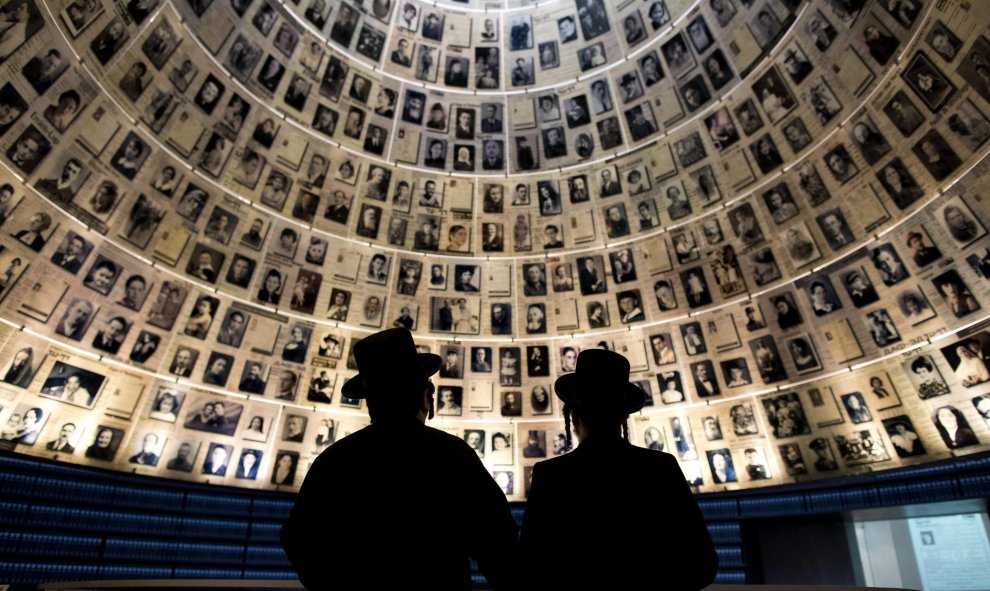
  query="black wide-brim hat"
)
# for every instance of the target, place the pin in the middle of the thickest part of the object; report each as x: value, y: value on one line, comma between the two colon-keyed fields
x: 388, y: 361
x: 600, y: 384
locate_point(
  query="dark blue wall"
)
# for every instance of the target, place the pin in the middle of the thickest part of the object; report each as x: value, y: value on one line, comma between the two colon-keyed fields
x: 63, y: 522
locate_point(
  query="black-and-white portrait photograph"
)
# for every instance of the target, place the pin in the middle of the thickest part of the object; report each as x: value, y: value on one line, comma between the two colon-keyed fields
x: 642, y: 123
x: 903, y: 113
x: 750, y: 120
x: 863, y: 446
x: 218, y: 459
x: 914, y: 306
x: 768, y: 361
x: 78, y: 15
x: 889, y: 264
x: 689, y: 150
x: 835, y: 228
x: 721, y: 129
x: 899, y: 184
x: 943, y: 41
x: 536, y: 319
x: 130, y: 156
x: 637, y: 180
x: 107, y: 43
x: 167, y: 305
x: 856, y: 408
x: 672, y: 391
x: 743, y: 420
x: 12, y: 106
x: 744, y: 224
x: 167, y: 404
x: 881, y: 44
x: 205, y: 263
x: 974, y: 69
x: 106, y: 443
x: 28, y: 150
x: 796, y: 63
x: 765, y: 267
x: 630, y: 306
x: 253, y: 381
x: 699, y: 34
x: 21, y: 367
x: 111, y: 334
x: 923, y: 373
x: 160, y: 44
x: 923, y: 250
x: 936, y: 155
x: 788, y: 314
x: 966, y: 123
x: 786, y: 416
x: 717, y: 69
x: 722, y: 468
x: 904, y: 436
x: 800, y: 245
x: 841, y: 164
x: 822, y: 296
x: 929, y: 84
x: 766, y: 154
x: 803, y: 354
x: 774, y: 95
x: 71, y: 253
x: 955, y: 293
x: 102, y: 275
x: 213, y: 414
x: 823, y: 102
x: 959, y: 220
x: 72, y: 384
x: 859, y: 287
x: 881, y: 328
x: 459, y: 315
x: 797, y: 135
x: 871, y: 143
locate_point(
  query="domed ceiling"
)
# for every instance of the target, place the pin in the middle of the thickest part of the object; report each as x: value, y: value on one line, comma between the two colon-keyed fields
x: 774, y: 209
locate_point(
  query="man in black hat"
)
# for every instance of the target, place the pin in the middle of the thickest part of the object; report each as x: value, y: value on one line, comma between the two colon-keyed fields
x: 593, y: 491
x: 377, y: 490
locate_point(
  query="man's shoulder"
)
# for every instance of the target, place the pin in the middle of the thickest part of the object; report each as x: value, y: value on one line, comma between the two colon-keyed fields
x: 559, y: 464
x: 627, y: 454
x: 446, y: 441
x: 374, y: 435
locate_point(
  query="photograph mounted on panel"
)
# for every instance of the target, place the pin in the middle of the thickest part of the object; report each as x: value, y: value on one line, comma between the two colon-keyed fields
x: 73, y: 385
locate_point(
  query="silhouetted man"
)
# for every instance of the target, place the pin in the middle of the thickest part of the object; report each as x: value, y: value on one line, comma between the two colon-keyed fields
x: 388, y: 476
x: 566, y: 503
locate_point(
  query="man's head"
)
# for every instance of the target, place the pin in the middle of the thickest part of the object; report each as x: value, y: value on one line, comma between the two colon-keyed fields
x: 218, y: 456
x: 150, y: 443
x: 65, y: 433
x: 104, y: 438
x: 393, y: 377
x: 294, y: 426
x: 183, y: 357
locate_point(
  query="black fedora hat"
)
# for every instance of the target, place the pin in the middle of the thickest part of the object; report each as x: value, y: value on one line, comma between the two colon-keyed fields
x: 600, y: 384
x: 388, y: 360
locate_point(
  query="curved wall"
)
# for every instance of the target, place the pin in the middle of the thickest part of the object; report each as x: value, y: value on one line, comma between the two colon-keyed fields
x: 773, y: 209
